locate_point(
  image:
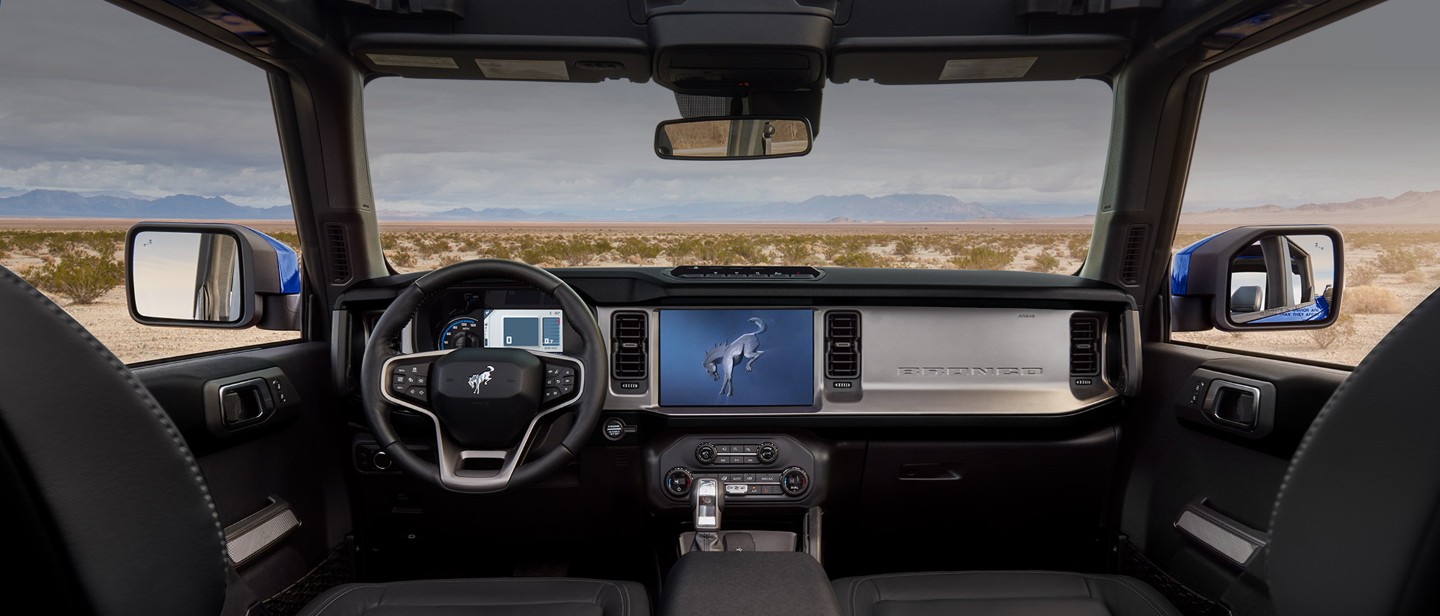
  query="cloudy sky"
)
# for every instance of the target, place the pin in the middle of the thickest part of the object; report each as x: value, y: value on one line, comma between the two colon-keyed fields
x: 95, y: 99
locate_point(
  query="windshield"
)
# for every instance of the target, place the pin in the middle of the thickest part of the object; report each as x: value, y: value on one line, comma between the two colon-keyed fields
x: 976, y: 176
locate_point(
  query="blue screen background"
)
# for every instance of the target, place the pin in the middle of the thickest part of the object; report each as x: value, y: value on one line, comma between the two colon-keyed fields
x: 783, y: 376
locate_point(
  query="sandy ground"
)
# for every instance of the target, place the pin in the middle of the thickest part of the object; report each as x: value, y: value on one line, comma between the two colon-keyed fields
x: 109, y: 320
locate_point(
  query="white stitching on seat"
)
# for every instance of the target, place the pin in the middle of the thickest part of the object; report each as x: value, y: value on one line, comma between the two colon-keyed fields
x: 144, y: 395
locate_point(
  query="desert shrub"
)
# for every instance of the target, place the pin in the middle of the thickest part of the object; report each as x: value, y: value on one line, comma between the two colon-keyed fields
x: 389, y: 241
x: 1371, y: 300
x: 81, y: 277
x: 983, y: 258
x: 431, y: 246
x: 289, y: 238
x: 450, y: 259
x: 1401, y: 260
x: 402, y: 257
x: 1415, y: 276
x: 639, y: 247
x: 1045, y: 262
x: 1361, y: 274
x: 860, y: 259
x: 1342, y: 328
x: 795, y: 251
x: 905, y: 247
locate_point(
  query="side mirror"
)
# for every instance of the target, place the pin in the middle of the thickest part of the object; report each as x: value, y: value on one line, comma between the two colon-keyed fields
x: 210, y: 275
x: 1258, y: 278
x: 733, y: 138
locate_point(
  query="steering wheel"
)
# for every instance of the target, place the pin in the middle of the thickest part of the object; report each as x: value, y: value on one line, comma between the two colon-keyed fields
x: 486, y: 403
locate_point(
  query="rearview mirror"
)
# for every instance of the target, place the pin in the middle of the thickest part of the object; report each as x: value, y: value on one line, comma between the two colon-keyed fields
x: 210, y: 275
x: 732, y: 138
x: 1258, y: 278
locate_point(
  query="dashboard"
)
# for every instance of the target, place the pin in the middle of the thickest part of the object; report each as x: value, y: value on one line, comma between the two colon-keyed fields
x: 803, y: 349
x: 762, y: 382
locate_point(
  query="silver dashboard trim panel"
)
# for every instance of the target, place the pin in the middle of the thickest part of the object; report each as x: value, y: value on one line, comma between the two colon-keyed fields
x: 1006, y: 362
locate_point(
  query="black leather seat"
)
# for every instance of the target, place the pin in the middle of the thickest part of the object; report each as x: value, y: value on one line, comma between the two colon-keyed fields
x: 999, y: 593
x: 106, y: 511
x: 500, y: 597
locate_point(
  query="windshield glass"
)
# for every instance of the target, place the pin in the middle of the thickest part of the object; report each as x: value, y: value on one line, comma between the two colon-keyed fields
x: 975, y: 176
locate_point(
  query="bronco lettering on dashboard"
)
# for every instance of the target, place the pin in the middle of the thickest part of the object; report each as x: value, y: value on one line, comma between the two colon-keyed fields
x: 968, y: 371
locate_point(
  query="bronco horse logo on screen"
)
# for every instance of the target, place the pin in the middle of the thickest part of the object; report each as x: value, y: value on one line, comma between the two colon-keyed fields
x: 478, y: 379
x: 724, y: 357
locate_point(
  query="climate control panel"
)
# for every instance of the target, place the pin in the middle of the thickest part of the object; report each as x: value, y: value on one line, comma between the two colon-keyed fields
x: 764, y: 469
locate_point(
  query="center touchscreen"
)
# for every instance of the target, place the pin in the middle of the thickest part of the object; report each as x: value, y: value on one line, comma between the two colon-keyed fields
x: 737, y: 357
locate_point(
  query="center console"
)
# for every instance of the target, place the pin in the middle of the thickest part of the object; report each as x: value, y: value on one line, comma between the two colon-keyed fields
x: 752, y: 470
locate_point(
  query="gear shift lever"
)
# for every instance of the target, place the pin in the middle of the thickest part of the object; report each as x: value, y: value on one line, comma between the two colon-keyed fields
x: 709, y: 500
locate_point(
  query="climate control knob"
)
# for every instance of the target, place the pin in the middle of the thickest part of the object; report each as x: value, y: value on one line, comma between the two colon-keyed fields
x: 705, y: 453
x: 767, y: 453
x: 678, y: 480
x: 794, y: 481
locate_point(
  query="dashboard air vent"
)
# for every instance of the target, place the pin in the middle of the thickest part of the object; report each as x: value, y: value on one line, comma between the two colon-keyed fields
x: 842, y: 345
x: 1084, y: 345
x: 629, y: 348
x: 1134, y: 254
x: 337, y: 253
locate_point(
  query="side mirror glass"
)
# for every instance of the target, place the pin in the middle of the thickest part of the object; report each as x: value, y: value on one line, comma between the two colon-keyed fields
x: 210, y: 275
x: 1258, y: 278
x: 1283, y: 279
x: 187, y: 276
x: 733, y: 138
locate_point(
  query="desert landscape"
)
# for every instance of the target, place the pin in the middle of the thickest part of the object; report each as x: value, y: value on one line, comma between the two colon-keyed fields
x: 78, y: 264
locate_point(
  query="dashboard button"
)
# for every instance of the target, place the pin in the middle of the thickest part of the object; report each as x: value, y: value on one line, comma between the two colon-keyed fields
x: 614, y: 428
x: 678, y: 480
x: 705, y: 453
x: 768, y: 452
x: 794, y: 481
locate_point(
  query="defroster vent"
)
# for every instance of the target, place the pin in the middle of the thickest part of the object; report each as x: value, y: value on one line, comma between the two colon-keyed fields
x: 337, y: 252
x: 842, y: 345
x: 1084, y: 345
x: 629, y: 345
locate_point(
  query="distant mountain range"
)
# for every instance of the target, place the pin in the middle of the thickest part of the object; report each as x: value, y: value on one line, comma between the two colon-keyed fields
x: 1410, y: 207
x: 857, y: 208
x: 65, y: 204
x: 888, y: 208
x: 1413, y: 207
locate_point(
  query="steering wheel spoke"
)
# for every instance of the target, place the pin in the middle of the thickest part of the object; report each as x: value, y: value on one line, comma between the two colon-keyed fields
x: 407, y: 380
x: 564, y: 380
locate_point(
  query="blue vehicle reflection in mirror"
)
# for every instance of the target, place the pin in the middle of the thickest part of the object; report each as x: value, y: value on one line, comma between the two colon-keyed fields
x: 1283, y: 279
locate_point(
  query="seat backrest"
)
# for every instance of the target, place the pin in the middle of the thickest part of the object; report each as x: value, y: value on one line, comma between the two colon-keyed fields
x: 1356, y: 525
x: 99, y: 485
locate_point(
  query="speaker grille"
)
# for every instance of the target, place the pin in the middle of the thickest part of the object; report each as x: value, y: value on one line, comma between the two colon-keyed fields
x: 1133, y: 255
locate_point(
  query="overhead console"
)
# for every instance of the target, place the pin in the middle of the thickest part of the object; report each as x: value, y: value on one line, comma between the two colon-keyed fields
x: 729, y: 48
x: 868, y: 360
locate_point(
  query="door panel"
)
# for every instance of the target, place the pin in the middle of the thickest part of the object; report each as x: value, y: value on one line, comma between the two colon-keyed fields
x: 297, y: 457
x: 1178, y: 460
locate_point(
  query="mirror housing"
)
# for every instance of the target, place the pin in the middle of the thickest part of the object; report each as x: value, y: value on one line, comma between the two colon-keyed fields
x: 1258, y: 278
x: 733, y: 138
x: 210, y: 275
